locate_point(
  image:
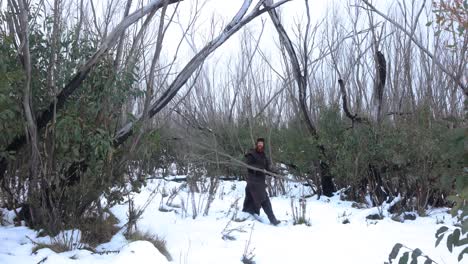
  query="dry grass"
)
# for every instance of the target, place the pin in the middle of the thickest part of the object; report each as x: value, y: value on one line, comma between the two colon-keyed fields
x: 56, y: 246
x: 96, y: 231
x: 299, y: 212
x: 158, y: 242
x: 248, y: 255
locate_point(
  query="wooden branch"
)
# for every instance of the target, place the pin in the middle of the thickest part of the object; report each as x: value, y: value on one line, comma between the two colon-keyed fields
x: 239, y: 163
x: 399, y: 113
x: 344, y: 97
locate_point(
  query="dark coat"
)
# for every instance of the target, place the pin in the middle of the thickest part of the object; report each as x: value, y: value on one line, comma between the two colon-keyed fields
x: 258, y: 160
x: 256, y: 186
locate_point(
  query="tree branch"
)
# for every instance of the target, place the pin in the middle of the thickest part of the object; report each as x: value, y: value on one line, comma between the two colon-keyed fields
x: 237, y: 23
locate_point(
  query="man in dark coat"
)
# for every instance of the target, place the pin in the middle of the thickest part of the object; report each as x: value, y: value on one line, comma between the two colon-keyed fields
x: 256, y: 196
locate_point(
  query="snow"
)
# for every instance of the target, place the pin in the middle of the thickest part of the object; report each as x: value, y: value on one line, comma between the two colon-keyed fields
x: 200, y: 240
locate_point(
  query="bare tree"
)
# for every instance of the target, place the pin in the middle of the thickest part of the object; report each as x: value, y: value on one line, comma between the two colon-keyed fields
x: 239, y: 20
x: 300, y: 77
x: 21, y: 8
x: 457, y: 79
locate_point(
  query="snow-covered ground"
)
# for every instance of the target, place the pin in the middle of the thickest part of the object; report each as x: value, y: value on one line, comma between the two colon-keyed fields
x: 200, y: 240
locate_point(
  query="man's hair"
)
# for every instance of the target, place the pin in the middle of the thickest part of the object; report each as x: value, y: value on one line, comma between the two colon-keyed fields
x: 260, y: 139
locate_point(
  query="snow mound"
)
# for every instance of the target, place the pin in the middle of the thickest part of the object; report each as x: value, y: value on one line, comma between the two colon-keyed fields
x: 141, y: 252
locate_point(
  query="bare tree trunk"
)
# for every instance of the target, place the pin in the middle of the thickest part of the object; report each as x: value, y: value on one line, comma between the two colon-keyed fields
x: 151, y: 78
x: 214, y: 181
x: 381, y: 74
x: 34, y: 169
x: 296, y: 69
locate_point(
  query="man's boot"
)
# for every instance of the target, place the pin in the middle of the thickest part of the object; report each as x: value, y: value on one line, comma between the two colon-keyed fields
x: 266, y: 205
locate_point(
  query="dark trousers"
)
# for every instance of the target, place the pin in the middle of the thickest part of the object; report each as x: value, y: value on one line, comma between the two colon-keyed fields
x: 251, y: 207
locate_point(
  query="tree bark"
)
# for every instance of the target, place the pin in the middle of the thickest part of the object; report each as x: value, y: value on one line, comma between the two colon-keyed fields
x: 27, y: 100
x: 381, y: 75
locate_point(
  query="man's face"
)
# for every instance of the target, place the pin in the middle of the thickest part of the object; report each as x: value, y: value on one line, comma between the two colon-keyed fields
x: 260, y: 146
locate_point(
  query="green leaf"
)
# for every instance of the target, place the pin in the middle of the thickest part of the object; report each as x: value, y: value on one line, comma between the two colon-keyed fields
x: 464, y: 213
x: 454, y: 198
x: 463, y: 242
x: 441, y: 230
x: 450, y: 242
x: 395, y: 250
x: 414, y: 256
x: 460, y: 256
x: 428, y: 261
x: 404, y: 258
x: 428, y: 23
x: 456, y: 237
x: 461, y: 29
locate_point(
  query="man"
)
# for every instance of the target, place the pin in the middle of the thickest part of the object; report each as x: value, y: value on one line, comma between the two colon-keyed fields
x: 256, y: 196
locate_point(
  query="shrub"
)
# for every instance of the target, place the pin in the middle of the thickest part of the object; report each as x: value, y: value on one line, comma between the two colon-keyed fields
x: 299, y: 213
x: 98, y: 230
x: 65, y: 241
x: 57, y: 246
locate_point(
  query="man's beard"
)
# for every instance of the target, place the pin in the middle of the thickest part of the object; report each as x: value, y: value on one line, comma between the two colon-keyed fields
x: 259, y: 149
